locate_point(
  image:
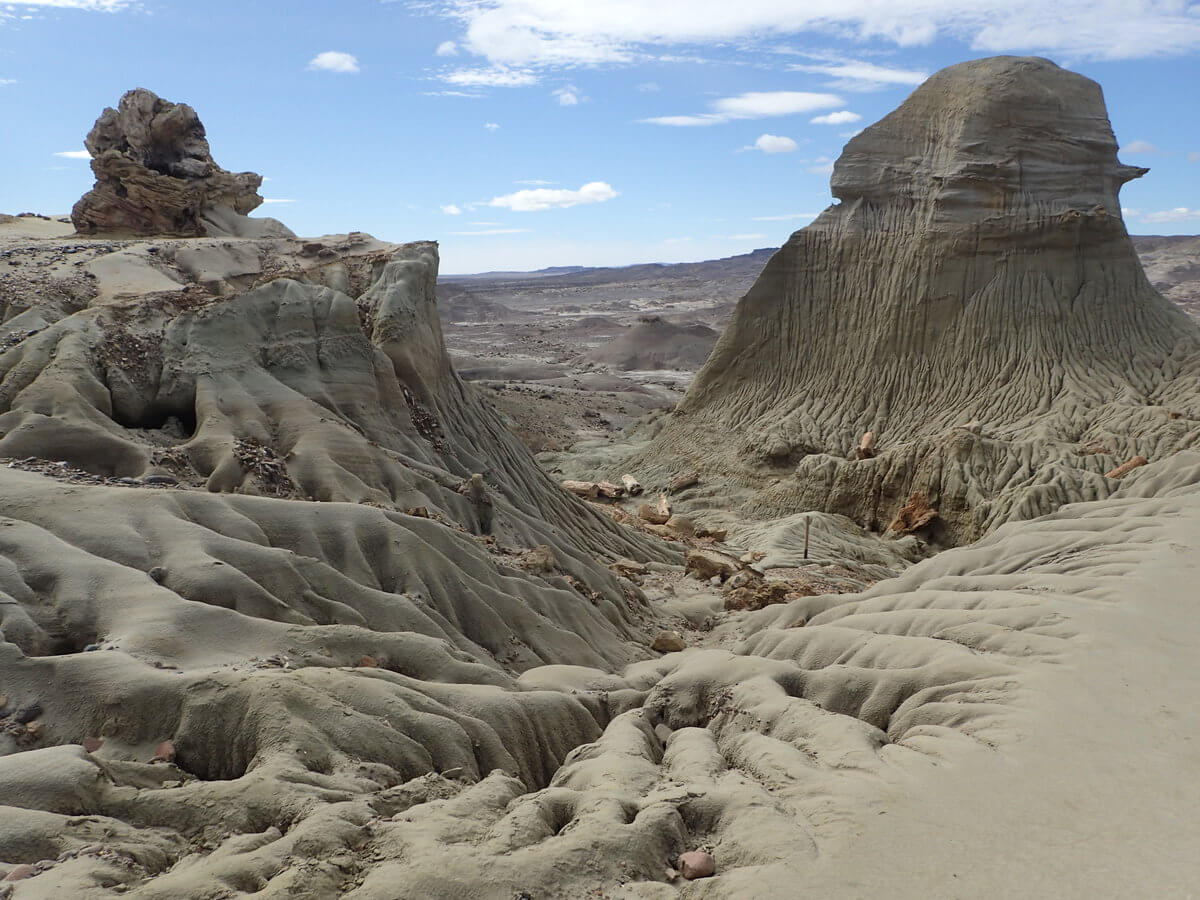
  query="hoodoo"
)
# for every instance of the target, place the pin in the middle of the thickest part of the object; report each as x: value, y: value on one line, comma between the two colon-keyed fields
x: 973, y: 299
x: 155, y: 174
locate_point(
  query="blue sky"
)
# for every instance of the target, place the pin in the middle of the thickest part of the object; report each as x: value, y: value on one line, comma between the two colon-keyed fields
x: 528, y: 133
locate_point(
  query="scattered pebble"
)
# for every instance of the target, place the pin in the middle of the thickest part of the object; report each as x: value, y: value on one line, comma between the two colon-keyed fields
x: 164, y: 753
x: 28, y: 713
x: 697, y: 864
x: 668, y: 642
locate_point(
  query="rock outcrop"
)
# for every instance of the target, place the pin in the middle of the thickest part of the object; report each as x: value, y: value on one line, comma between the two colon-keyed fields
x: 155, y: 174
x: 974, y: 300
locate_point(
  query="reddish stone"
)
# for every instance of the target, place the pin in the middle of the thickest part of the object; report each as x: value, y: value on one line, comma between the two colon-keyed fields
x: 20, y: 873
x: 92, y: 744
x: 697, y: 864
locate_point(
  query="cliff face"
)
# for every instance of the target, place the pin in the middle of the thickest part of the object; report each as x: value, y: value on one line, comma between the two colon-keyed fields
x: 975, y: 271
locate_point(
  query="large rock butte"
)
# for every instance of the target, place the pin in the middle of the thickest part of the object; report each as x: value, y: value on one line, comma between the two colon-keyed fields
x: 155, y: 174
x: 973, y: 299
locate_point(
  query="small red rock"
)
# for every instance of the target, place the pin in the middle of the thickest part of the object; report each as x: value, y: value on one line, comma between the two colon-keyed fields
x: 697, y: 864
x: 92, y: 744
x: 368, y: 662
x: 20, y: 873
x: 164, y: 752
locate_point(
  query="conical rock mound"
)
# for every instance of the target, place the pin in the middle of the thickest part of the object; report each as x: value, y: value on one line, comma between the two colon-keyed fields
x: 974, y: 272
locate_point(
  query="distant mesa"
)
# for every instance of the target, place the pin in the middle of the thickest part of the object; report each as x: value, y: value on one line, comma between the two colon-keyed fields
x: 155, y: 175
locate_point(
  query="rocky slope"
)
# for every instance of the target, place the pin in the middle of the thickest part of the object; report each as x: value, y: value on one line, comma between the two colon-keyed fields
x: 973, y: 301
x: 285, y: 611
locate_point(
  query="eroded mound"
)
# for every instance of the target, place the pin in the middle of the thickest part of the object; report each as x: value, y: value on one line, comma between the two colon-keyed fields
x: 655, y: 343
x: 972, y: 301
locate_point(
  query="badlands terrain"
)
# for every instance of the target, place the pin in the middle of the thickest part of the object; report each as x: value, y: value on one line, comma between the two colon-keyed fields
x: 862, y: 567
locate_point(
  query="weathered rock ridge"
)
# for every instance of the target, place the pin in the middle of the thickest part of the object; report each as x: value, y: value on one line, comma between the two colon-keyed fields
x: 974, y: 300
x: 155, y: 174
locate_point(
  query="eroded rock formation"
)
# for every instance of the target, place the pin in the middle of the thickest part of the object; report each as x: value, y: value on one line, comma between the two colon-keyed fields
x: 974, y: 300
x: 155, y: 173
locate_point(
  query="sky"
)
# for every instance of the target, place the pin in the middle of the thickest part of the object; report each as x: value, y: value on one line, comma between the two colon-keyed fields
x: 530, y: 133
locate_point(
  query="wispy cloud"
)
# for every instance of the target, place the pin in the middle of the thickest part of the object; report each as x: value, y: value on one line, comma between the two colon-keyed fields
x: 772, y: 143
x: 540, y: 199
x: 452, y: 209
x: 486, y: 224
x: 334, y: 61
x: 491, y: 231
x: 553, y: 33
x: 786, y: 217
x: 822, y: 165
x: 492, y: 126
x: 649, y: 87
x: 4, y: 81
x: 753, y: 105
x: 466, y: 94
x: 841, y: 117
x: 490, y: 78
x: 676, y: 240
x: 852, y: 75
x: 534, y: 182
x: 277, y: 200
x: 742, y: 237
x: 1178, y: 214
x: 447, y: 48
x: 1134, y: 147
x: 568, y: 96
x: 73, y: 154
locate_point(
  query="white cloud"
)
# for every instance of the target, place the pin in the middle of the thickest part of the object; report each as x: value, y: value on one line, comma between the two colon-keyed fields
x: 557, y: 33
x: 841, y: 117
x: 452, y: 209
x: 447, y: 48
x: 276, y: 200
x: 492, y: 126
x: 753, y: 105
x: 649, y: 87
x: 851, y: 75
x: 787, y: 217
x: 334, y: 61
x: 685, y: 121
x: 492, y: 231
x: 490, y: 78
x: 4, y: 81
x: 676, y: 240
x: 74, y: 154
x: 1139, y: 147
x: 743, y: 237
x: 486, y: 224
x: 539, y: 199
x: 1178, y: 214
x: 822, y: 165
x: 568, y: 96
x: 773, y: 143
x: 761, y: 104
x: 535, y: 182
